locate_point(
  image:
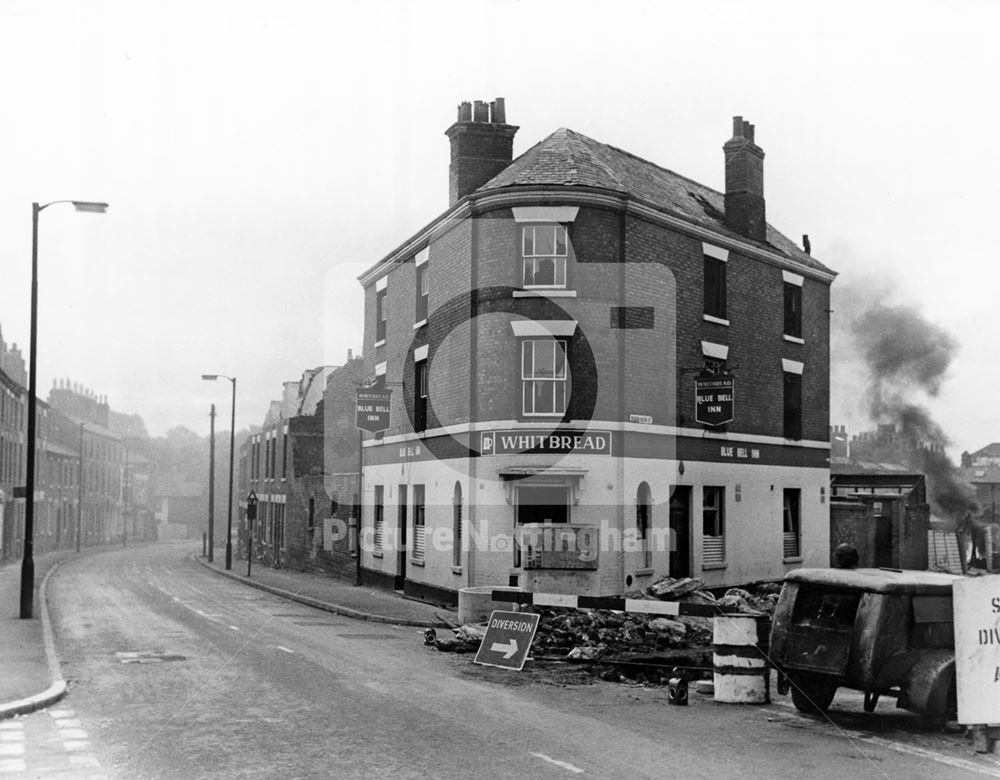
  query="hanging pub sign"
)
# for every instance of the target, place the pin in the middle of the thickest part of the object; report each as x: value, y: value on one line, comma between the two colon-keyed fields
x: 713, y: 399
x: 373, y: 410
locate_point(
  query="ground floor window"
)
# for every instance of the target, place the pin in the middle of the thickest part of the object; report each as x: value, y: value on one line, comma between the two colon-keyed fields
x: 543, y: 504
x: 456, y: 521
x: 713, y: 526
x: 643, y: 514
x: 539, y: 504
x: 792, y: 525
x: 378, y: 517
x: 419, y: 524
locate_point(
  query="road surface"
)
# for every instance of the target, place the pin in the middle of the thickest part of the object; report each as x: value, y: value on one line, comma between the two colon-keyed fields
x: 176, y: 672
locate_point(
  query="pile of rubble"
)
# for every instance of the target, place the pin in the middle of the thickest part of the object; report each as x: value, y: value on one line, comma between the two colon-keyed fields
x: 594, y: 634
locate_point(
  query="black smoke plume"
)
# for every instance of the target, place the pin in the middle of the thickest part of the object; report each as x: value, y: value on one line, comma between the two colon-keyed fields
x: 908, y: 357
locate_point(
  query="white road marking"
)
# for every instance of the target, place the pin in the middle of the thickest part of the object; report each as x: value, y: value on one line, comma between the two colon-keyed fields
x: 11, y: 736
x: 561, y: 764
x: 72, y: 734
x: 90, y: 761
x: 285, y: 650
x: 12, y: 749
x: 76, y: 744
x: 68, y: 723
x: 62, y: 713
x: 913, y: 750
x: 13, y: 765
x: 235, y: 628
x: 11, y: 725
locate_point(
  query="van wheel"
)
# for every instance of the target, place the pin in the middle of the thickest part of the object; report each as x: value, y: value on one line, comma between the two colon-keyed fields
x: 812, y: 693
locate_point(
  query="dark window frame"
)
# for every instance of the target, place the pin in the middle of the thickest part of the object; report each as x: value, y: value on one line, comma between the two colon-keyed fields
x: 420, y: 379
x: 381, y: 314
x: 792, y: 310
x: 792, y: 406
x: 715, y: 303
x: 423, y: 292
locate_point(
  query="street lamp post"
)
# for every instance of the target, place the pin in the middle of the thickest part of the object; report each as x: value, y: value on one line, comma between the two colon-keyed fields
x: 28, y: 561
x: 232, y: 444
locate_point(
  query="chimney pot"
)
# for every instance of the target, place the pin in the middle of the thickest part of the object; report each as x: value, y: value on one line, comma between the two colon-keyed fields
x: 481, y: 112
x: 465, y: 111
x: 749, y: 131
x: 737, y: 127
x: 805, y: 244
x: 499, y: 111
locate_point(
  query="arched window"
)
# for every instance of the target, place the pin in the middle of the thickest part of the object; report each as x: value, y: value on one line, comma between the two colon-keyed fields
x: 643, y: 516
x: 456, y: 522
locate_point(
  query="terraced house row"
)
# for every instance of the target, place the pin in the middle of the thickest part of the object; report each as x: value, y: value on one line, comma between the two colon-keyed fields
x: 90, y: 487
x: 601, y: 372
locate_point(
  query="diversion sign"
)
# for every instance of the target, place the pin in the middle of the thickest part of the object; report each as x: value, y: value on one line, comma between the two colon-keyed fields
x: 508, y: 638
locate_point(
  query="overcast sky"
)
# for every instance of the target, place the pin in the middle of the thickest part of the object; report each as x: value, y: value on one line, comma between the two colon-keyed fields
x: 257, y: 156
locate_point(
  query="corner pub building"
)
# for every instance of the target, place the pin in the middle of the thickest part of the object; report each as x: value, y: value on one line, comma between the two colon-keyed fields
x: 601, y: 373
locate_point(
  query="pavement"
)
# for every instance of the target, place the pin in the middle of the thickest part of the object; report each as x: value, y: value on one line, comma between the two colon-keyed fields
x: 335, y: 595
x: 30, y: 678
x: 29, y: 672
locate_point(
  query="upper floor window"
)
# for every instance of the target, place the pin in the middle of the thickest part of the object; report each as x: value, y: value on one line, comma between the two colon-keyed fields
x: 793, y: 304
x: 543, y: 251
x: 420, y: 396
x: 793, y: 405
x: 543, y: 376
x: 422, y: 292
x: 381, y: 314
x: 793, y: 311
x: 715, y: 288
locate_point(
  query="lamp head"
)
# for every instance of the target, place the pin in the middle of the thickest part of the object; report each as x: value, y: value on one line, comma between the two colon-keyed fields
x: 210, y: 377
x: 86, y: 205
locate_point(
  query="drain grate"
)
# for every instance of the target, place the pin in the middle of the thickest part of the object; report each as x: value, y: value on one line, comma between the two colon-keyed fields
x: 147, y: 657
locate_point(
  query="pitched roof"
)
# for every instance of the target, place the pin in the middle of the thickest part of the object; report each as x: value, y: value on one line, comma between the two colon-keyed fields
x: 570, y: 159
x: 989, y: 451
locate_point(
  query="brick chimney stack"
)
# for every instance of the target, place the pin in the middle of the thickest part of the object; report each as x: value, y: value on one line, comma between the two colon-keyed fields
x: 482, y: 145
x: 745, y: 182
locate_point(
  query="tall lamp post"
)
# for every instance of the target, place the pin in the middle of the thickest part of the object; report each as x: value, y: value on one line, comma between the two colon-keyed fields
x: 232, y: 444
x: 28, y: 561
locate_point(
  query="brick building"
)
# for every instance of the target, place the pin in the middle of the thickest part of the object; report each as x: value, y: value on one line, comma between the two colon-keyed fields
x: 601, y: 373
x: 302, y: 468
x: 78, y: 420
x: 13, y: 435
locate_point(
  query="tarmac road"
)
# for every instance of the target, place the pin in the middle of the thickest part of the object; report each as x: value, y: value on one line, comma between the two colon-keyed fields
x: 176, y: 672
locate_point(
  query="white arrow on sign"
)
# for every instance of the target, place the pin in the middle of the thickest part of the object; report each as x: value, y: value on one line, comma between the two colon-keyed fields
x: 507, y: 649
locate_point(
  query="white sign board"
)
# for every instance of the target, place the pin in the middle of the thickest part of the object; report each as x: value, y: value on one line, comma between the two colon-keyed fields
x: 977, y: 648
